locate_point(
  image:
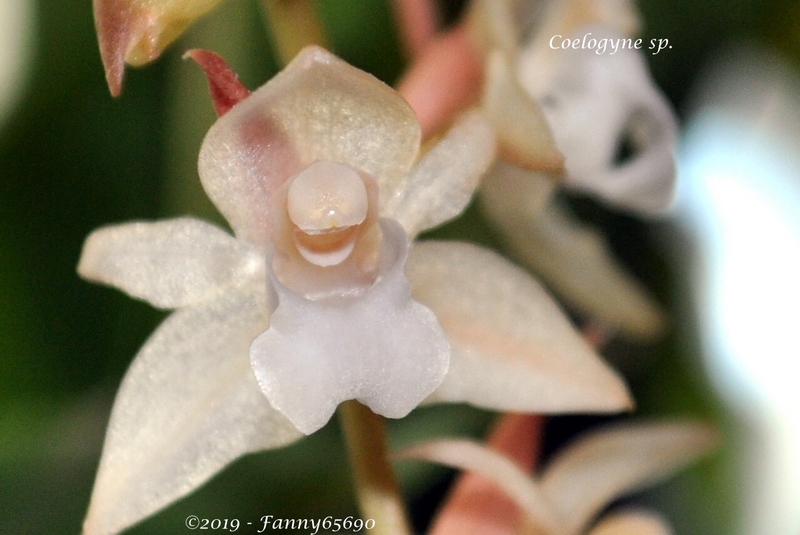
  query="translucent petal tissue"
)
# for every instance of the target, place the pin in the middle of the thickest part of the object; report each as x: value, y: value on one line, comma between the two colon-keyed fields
x: 512, y: 347
x: 188, y: 406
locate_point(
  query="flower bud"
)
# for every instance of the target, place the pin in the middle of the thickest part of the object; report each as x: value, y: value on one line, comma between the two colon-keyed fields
x: 137, y: 31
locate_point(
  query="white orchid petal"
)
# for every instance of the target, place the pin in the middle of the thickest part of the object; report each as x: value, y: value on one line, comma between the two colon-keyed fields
x: 596, y: 103
x: 381, y: 348
x: 538, y: 61
x: 632, y: 523
x: 512, y: 347
x: 495, y: 467
x: 588, y: 475
x: 441, y: 185
x: 188, y: 406
x: 571, y: 258
x: 317, y: 108
x: 168, y: 263
x: 524, y: 136
x: 495, y: 24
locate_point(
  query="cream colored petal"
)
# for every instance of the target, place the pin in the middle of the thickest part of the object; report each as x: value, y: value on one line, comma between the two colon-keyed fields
x: 495, y: 467
x: 538, y: 61
x: 188, y: 406
x: 523, y: 134
x: 318, y: 108
x: 516, y: 193
x: 588, y: 475
x: 494, y: 25
x: 512, y: 347
x: 571, y: 258
x: 565, y: 17
x: 632, y: 523
x: 441, y: 185
x: 169, y: 263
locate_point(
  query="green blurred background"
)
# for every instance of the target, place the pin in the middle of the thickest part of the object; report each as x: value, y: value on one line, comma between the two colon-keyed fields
x: 72, y: 159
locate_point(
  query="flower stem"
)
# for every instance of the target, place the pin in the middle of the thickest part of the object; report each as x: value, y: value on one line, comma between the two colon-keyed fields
x: 294, y: 24
x: 376, y: 487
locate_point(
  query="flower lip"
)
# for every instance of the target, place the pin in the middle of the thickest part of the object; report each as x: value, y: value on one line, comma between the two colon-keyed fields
x: 305, y: 361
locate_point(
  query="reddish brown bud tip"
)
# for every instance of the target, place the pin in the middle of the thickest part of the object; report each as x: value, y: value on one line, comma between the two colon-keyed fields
x: 226, y: 89
x: 115, y: 25
x: 137, y: 31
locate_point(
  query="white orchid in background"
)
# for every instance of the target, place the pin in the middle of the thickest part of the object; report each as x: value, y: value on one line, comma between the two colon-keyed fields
x: 614, y: 128
x: 16, y: 36
x: 585, y: 477
x: 317, y: 298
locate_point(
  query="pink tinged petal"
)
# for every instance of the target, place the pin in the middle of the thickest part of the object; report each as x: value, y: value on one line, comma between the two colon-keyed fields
x: 524, y: 137
x: 598, y: 103
x: 226, y: 89
x: 444, y: 80
x: 137, y: 31
x: 188, y: 406
x: 381, y: 348
x: 169, y: 263
x: 587, y: 476
x: 418, y: 21
x: 118, y: 24
x: 318, y: 108
x: 632, y: 523
x: 512, y: 347
x: 571, y: 258
x: 441, y: 185
x: 497, y: 468
x: 476, y: 506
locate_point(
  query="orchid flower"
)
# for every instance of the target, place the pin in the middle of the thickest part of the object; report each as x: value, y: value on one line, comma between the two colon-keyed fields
x: 566, y: 496
x: 318, y: 297
x: 595, y: 105
x: 595, y: 100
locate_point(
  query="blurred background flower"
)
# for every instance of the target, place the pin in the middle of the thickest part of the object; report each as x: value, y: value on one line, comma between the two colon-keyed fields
x: 740, y: 203
x: 16, y: 50
x: 72, y: 159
